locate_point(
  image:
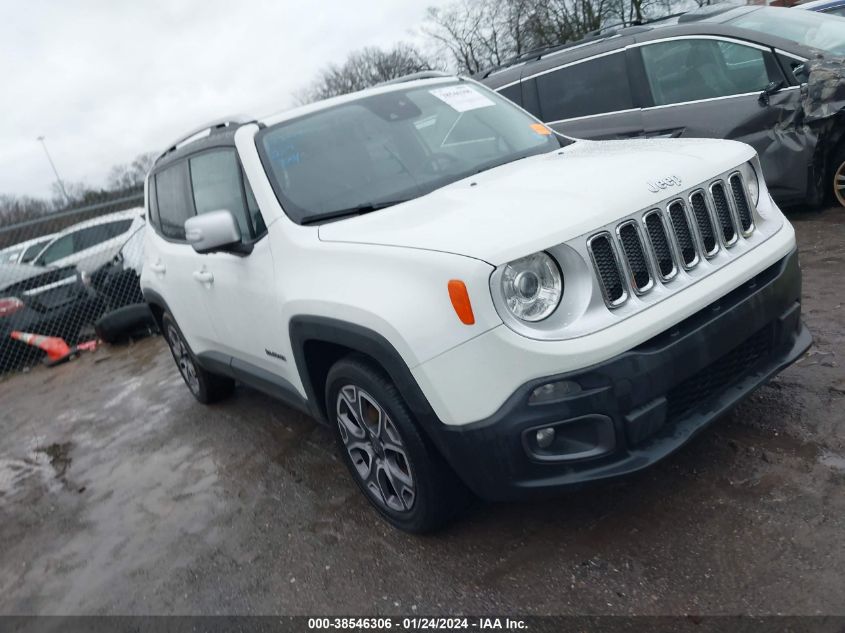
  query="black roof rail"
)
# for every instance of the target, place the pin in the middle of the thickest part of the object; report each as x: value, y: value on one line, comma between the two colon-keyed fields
x: 707, y: 11
x: 222, y: 123
x: 542, y: 51
x: 424, y: 74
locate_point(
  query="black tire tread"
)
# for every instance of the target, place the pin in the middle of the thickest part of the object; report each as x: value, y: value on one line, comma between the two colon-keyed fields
x: 212, y: 387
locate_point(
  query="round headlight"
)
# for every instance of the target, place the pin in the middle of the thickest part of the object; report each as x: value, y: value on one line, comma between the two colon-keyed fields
x: 752, y: 181
x: 532, y: 287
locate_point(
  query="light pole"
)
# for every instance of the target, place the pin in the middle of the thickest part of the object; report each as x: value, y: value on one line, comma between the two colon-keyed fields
x: 55, y: 171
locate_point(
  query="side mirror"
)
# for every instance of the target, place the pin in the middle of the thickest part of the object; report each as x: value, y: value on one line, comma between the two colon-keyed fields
x: 215, y: 231
x: 773, y: 88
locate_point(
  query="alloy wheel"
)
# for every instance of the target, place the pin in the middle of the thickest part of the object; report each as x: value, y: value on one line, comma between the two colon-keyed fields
x: 183, y: 359
x: 376, y: 450
x: 839, y: 184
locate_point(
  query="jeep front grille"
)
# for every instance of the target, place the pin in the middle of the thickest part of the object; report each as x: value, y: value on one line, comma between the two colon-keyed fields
x: 723, y: 213
x: 655, y: 246
x: 704, y: 222
x: 660, y: 247
x: 683, y: 234
x: 603, y: 253
x: 743, y: 209
x: 632, y: 246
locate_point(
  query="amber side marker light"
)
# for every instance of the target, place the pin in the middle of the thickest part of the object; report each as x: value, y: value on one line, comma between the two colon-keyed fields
x: 460, y: 301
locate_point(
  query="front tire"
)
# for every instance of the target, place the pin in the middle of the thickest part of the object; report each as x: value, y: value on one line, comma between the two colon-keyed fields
x: 206, y: 387
x: 395, y: 467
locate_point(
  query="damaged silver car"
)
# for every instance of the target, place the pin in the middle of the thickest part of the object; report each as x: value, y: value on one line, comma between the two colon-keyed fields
x: 770, y: 77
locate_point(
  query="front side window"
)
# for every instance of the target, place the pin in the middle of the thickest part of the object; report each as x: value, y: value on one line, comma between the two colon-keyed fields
x: 694, y: 69
x: 825, y: 32
x: 597, y: 86
x: 387, y: 148
x: 174, y: 203
x: 61, y: 248
x: 216, y: 184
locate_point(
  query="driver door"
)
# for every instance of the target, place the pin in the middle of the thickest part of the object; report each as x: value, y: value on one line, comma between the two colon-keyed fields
x: 238, y: 290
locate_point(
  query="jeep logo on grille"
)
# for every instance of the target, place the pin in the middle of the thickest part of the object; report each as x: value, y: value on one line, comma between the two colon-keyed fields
x: 656, y: 186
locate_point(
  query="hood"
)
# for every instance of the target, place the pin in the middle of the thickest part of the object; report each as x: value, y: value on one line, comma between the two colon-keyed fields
x: 538, y: 202
x: 19, y: 278
x: 11, y: 274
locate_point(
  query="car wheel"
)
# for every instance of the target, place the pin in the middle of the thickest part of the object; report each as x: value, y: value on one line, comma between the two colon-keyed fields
x: 205, y: 386
x: 397, y: 469
x: 839, y: 176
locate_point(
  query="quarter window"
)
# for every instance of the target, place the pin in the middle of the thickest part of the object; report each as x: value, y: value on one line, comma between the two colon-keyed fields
x: 597, y: 86
x: 691, y: 70
x: 514, y: 93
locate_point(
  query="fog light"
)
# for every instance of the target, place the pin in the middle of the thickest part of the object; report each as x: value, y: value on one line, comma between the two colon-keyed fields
x: 545, y: 437
x: 554, y: 391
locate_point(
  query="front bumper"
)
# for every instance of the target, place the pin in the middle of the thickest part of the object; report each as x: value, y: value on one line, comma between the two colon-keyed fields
x: 641, y: 406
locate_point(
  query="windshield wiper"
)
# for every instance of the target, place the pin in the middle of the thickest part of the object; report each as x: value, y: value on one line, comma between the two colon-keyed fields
x: 361, y: 209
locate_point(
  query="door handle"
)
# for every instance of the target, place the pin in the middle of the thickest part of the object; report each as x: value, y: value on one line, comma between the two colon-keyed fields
x: 203, y: 276
x: 158, y: 268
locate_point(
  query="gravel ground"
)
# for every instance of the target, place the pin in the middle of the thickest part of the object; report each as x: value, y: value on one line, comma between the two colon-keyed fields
x: 120, y: 494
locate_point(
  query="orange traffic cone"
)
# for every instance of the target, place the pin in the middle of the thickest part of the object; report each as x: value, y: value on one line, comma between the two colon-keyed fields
x: 55, y: 348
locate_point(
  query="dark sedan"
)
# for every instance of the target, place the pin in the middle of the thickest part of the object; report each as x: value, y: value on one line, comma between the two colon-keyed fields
x: 770, y: 77
x: 36, y: 300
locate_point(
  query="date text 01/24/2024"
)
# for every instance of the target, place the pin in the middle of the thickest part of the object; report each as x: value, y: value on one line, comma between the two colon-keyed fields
x: 417, y: 623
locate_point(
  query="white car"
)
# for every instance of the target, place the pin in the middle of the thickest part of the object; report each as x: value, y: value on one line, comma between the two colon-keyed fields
x: 25, y: 252
x: 92, y: 243
x: 467, y: 299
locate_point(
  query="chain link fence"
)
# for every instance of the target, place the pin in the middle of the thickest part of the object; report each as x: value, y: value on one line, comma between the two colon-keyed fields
x: 69, y: 277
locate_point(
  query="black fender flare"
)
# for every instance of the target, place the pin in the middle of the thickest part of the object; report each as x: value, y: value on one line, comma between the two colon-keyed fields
x: 304, y: 329
x: 153, y: 299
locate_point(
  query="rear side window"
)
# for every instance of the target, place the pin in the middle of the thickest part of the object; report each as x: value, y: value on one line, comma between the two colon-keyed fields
x: 691, y: 70
x: 93, y: 235
x: 174, y: 202
x: 90, y: 237
x: 597, y: 86
x: 216, y: 183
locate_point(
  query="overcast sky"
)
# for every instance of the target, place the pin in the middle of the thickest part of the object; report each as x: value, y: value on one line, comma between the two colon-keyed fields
x: 106, y: 80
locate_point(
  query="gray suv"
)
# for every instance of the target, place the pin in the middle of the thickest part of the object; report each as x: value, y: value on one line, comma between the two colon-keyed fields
x: 770, y: 77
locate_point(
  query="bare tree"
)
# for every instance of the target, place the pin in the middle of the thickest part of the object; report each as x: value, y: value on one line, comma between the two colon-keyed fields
x: 480, y: 34
x: 477, y: 34
x: 365, y: 68
x: 130, y: 175
x: 14, y: 209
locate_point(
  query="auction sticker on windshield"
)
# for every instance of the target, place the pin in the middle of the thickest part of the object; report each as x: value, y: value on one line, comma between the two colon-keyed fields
x: 462, y: 98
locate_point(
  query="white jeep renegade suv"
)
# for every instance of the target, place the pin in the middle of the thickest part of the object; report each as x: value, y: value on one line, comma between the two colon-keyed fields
x: 468, y: 300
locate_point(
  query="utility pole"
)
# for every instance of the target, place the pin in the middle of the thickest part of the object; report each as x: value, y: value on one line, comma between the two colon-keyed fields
x: 55, y: 171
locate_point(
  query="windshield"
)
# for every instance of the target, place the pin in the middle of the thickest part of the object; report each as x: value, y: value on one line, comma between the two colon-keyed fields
x: 816, y: 30
x: 388, y: 148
